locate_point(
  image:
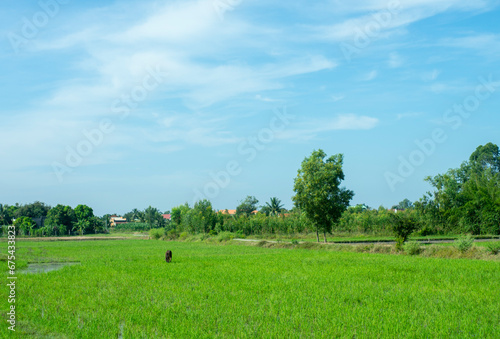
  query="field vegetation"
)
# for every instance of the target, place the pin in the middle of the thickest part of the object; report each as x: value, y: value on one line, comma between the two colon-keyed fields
x: 125, y: 289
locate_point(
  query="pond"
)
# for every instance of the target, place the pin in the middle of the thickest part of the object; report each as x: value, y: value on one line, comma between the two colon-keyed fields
x: 42, y: 267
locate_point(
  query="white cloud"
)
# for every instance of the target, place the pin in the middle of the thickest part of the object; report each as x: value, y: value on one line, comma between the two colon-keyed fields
x: 375, y: 19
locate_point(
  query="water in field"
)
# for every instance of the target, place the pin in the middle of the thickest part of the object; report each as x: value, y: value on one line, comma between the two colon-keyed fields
x: 46, y: 267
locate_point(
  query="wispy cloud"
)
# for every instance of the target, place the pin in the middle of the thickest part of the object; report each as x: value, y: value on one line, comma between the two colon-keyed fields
x: 431, y: 76
x: 486, y: 44
x: 408, y: 115
x: 369, y: 76
x: 342, y: 122
x: 395, y: 60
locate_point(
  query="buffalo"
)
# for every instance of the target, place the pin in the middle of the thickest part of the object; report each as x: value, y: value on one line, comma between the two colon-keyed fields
x: 168, y: 256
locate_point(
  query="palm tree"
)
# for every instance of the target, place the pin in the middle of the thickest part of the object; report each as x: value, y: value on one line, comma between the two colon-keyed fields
x: 273, y: 207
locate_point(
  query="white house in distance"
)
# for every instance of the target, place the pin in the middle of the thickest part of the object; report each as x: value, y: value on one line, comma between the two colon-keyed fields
x: 114, y: 220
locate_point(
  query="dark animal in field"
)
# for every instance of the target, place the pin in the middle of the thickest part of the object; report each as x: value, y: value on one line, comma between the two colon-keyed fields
x: 168, y: 256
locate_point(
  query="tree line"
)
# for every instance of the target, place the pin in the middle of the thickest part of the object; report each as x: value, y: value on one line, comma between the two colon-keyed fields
x: 464, y: 200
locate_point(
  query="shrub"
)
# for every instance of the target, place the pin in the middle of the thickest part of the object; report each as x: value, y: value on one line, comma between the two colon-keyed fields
x: 183, y: 236
x: 225, y: 236
x: 412, y: 248
x: 295, y: 242
x: 156, y: 233
x: 464, y: 243
x: 493, y: 247
x: 172, y: 234
x: 403, y: 224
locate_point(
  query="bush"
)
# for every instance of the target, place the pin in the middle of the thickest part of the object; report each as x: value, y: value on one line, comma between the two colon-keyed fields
x: 225, y: 236
x: 183, y: 235
x: 403, y: 224
x: 412, y: 248
x: 464, y: 243
x: 295, y: 242
x: 171, y: 234
x: 156, y: 233
x: 493, y: 247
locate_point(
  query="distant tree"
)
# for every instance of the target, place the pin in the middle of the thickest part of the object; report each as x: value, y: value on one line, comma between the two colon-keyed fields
x: 24, y: 225
x: 273, y: 207
x: 177, y: 214
x: 60, y: 218
x: 203, y: 217
x: 34, y: 210
x: 80, y: 226
x: 247, y: 206
x: 403, y: 205
x: 85, y: 217
x: 105, y: 222
x: 466, y: 199
x: 359, y: 208
x: 154, y: 217
x: 318, y: 191
x: 5, y: 216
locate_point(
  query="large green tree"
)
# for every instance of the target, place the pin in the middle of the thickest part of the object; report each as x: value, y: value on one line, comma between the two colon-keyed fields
x: 466, y: 199
x: 36, y: 209
x: 318, y: 191
x: 60, y: 219
x: 247, y: 206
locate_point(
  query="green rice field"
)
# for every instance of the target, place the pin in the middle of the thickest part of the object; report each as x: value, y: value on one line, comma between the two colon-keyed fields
x: 125, y: 289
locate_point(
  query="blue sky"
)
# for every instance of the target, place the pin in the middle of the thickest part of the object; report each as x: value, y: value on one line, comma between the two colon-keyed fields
x: 126, y: 104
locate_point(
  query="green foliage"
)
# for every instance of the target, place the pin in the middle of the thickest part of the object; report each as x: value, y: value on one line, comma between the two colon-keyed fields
x: 493, y: 247
x: 258, y: 292
x: 403, y: 225
x: 225, y: 236
x: 466, y: 199
x: 153, y: 217
x: 132, y: 226
x: 34, y: 210
x: 403, y: 205
x: 156, y: 233
x: 172, y: 234
x: 60, y: 219
x: 464, y: 243
x: 318, y: 191
x: 5, y: 215
x: 247, y: 206
x: 273, y: 207
x: 412, y: 248
x: 24, y: 225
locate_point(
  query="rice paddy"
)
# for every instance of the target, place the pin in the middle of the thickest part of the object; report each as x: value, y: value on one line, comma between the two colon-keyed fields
x: 124, y: 289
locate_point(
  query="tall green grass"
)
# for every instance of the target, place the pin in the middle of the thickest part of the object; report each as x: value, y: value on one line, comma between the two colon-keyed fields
x: 125, y: 288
